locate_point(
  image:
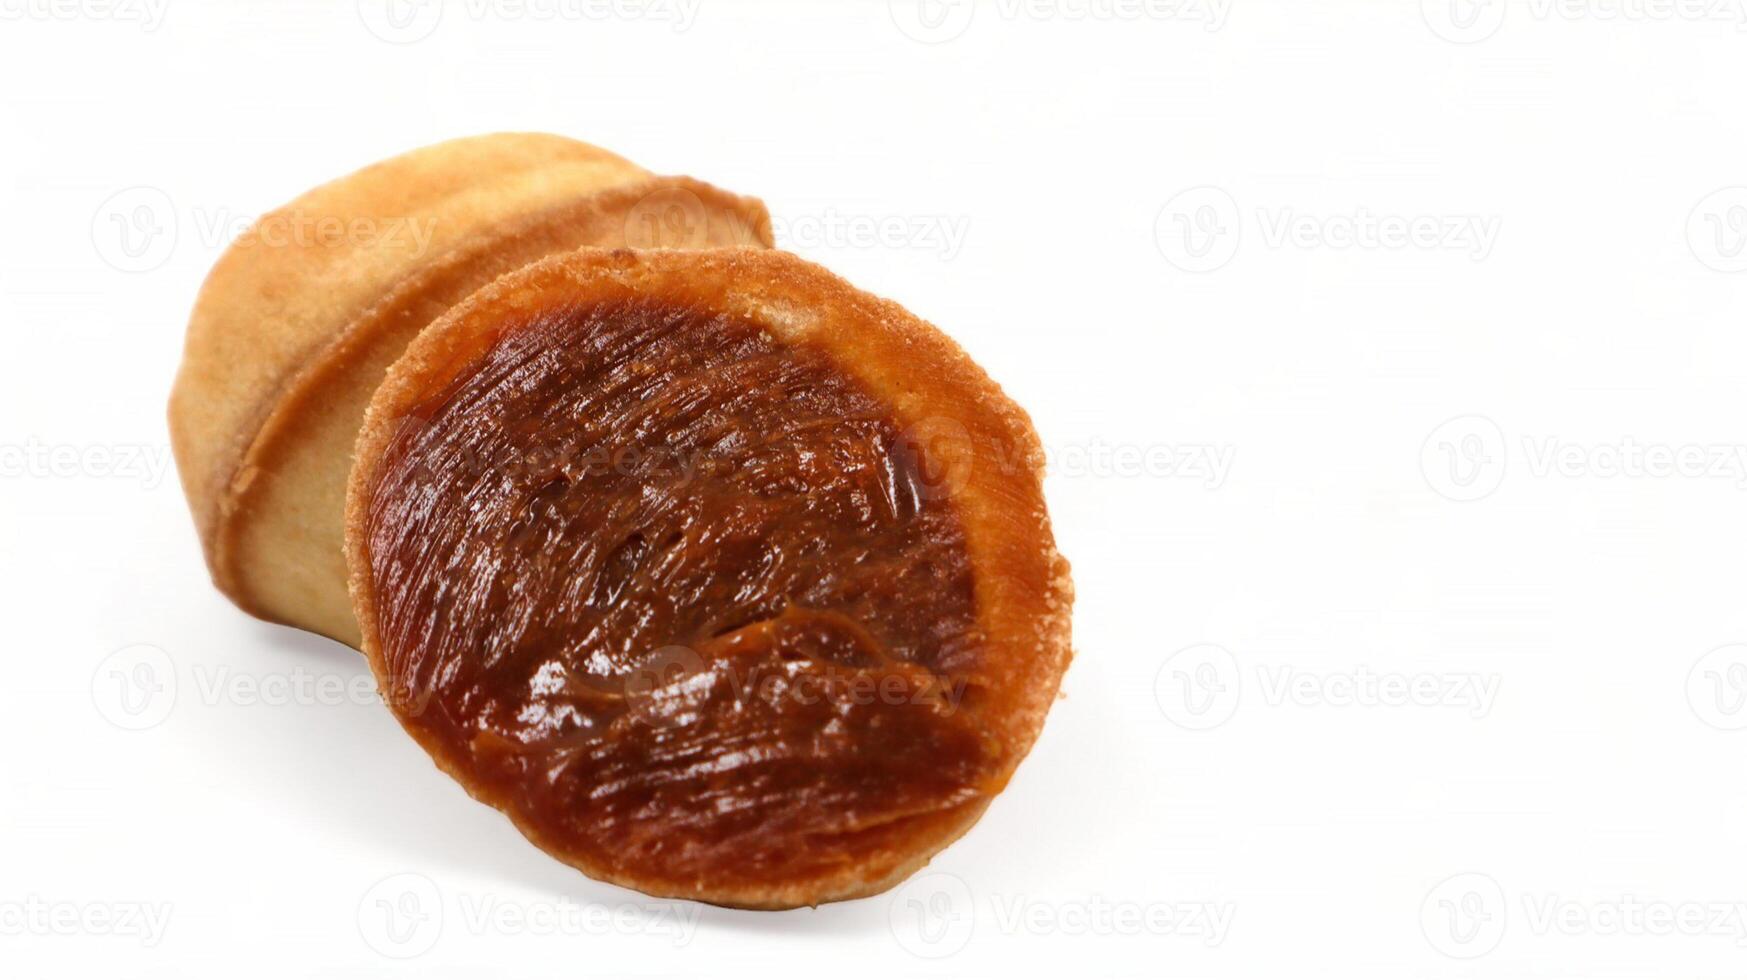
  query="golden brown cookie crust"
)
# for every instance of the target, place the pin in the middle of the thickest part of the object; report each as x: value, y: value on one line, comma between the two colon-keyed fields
x: 1022, y: 587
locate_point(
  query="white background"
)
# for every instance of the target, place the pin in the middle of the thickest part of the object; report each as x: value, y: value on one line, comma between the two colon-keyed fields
x: 1391, y: 360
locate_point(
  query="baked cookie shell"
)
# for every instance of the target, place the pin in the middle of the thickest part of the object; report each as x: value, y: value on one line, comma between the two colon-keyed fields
x: 992, y: 465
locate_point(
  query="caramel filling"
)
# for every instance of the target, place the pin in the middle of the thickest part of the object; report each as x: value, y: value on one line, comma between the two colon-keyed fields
x: 681, y: 598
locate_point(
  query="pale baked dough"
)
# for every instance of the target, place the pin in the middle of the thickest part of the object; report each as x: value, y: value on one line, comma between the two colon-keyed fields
x: 299, y: 319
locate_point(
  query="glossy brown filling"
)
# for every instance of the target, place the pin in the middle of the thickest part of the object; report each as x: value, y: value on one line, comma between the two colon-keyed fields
x: 679, y: 597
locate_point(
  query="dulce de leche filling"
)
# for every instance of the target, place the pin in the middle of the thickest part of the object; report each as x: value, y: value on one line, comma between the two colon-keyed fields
x: 681, y: 599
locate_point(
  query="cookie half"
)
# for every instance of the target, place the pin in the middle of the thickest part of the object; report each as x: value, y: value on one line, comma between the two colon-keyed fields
x: 723, y: 579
